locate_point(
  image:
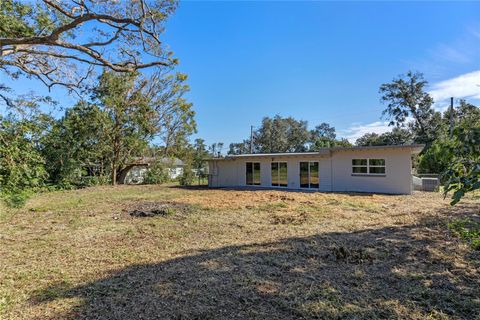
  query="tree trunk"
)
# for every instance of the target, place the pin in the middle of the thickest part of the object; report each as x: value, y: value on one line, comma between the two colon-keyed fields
x: 114, y: 175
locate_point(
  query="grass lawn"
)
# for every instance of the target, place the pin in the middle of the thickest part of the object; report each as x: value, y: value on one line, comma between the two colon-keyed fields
x: 230, y: 254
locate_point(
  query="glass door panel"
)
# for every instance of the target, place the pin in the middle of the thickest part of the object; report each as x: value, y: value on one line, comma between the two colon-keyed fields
x: 249, y: 173
x: 283, y: 175
x: 309, y: 175
x: 275, y: 174
x: 256, y: 173
x: 314, y: 181
x: 304, y: 181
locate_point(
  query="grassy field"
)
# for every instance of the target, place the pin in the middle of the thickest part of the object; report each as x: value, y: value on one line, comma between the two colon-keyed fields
x: 230, y: 254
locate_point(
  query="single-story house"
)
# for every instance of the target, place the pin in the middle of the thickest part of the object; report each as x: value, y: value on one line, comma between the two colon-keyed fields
x: 375, y: 169
x: 134, y: 173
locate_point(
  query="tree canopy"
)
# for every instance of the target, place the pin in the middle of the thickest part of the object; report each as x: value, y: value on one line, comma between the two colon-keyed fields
x: 62, y: 42
x: 406, y: 98
x: 280, y: 134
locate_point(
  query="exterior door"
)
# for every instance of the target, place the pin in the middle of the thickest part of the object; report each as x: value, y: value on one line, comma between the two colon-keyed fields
x: 309, y: 175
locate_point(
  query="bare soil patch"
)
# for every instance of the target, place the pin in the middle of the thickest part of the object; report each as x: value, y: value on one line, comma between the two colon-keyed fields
x: 153, y: 209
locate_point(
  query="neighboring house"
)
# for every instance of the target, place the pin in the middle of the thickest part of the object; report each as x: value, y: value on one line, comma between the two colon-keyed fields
x: 376, y: 169
x: 174, y: 165
x: 135, y: 172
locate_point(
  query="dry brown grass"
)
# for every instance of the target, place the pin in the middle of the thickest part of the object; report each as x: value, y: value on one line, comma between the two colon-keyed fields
x: 235, y: 255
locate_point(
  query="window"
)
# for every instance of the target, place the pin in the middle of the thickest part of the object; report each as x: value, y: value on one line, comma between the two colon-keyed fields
x: 376, y: 166
x: 368, y: 166
x: 252, y: 173
x: 309, y: 175
x: 279, y: 174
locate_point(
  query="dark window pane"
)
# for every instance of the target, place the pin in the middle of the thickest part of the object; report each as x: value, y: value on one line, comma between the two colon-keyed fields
x: 283, y: 174
x: 249, y: 173
x: 377, y: 170
x: 275, y: 174
x: 256, y: 173
x: 359, y: 170
x: 377, y: 162
x: 314, y: 181
x: 359, y: 162
x: 304, y: 174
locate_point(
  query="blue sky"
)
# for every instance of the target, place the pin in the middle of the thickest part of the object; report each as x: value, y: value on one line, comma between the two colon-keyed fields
x: 317, y: 61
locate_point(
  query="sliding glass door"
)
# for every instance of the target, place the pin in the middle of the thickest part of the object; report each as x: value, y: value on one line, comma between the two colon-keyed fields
x: 252, y: 173
x: 279, y: 174
x: 309, y: 175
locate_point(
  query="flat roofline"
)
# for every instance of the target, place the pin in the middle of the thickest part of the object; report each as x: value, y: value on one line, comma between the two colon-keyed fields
x: 415, y: 149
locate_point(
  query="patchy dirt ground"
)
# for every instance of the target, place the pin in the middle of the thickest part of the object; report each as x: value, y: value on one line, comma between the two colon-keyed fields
x: 229, y: 254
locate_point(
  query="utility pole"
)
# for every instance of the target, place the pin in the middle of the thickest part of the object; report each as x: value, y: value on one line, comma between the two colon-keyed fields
x: 251, y: 139
x: 451, y: 117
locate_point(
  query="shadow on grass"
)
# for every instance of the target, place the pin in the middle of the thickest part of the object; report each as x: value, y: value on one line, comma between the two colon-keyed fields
x: 404, y: 272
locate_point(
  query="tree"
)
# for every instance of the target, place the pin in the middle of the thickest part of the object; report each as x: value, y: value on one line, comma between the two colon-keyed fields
x: 77, y: 146
x: 216, y: 148
x: 200, y: 154
x: 343, y: 143
x: 279, y: 134
x: 140, y: 109
x: 22, y: 128
x: 463, y: 173
x: 132, y: 120
x: 41, y: 39
x: 323, y: 136
x: 406, y: 97
x: 439, y: 156
x: 21, y: 164
x: 175, y: 117
x: 369, y: 139
x: 324, y: 130
x: 397, y: 136
x: 240, y: 147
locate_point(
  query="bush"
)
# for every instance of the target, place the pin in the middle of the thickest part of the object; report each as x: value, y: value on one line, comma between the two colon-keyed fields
x: 468, y: 230
x: 436, y: 158
x: 188, y: 176
x: 157, y: 174
x: 16, y: 199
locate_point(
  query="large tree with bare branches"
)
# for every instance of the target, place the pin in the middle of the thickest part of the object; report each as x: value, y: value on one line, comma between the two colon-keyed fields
x: 61, y: 42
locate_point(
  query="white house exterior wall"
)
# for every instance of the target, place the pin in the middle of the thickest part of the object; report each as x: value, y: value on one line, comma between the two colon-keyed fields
x: 335, y: 171
x: 397, y: 178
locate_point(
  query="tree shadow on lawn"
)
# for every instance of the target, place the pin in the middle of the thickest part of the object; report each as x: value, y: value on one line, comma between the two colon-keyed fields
x: 404, y: 272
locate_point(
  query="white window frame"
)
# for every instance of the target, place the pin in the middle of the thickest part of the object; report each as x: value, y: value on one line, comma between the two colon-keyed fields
x: 368, y: 166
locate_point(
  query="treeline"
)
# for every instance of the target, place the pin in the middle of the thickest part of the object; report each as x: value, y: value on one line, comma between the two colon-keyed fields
x: 97, y: 138
x: 119, y: 114
x: 451, y: 138
x: 279, y: 134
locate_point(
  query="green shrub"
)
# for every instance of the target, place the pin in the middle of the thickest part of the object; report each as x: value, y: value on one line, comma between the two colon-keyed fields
x: 157, y: 174
x: 16, y: 199
x: 468, y: 230
x: 188, y: 176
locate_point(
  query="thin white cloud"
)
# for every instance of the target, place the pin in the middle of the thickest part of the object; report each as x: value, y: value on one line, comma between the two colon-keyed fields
x: 465, y: 86
x: 358, y: 130
x: 453, y: 54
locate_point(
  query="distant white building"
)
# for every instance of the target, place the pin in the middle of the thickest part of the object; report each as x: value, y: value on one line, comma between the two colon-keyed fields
x: 135, y: 172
